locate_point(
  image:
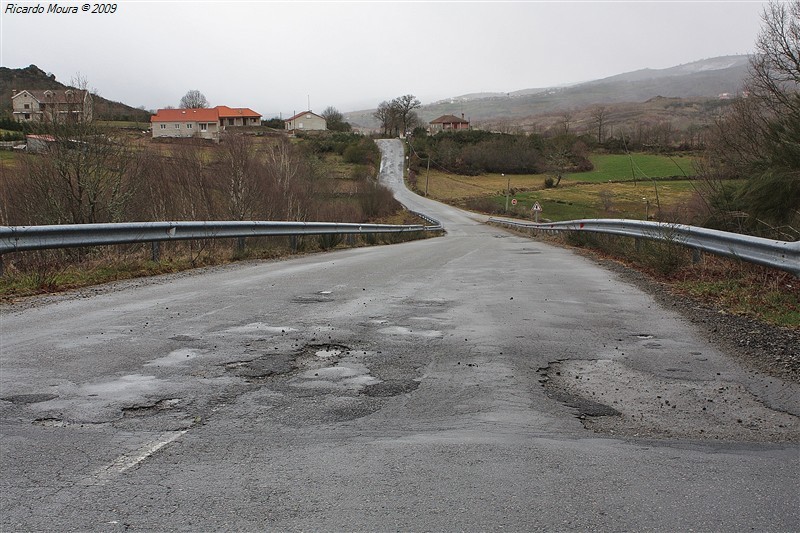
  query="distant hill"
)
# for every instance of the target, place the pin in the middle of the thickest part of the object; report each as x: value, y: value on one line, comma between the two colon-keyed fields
x: 34, y: 78
x: 705, y: 79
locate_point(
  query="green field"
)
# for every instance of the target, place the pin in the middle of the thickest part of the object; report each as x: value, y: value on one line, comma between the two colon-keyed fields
x: 602, y: 200
x: 621, y: 167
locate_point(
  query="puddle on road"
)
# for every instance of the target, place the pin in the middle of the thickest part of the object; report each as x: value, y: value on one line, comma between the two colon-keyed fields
x: 175, y: 358
x: 400, y: 330
x: 131, y: 385
x: 260, y: 327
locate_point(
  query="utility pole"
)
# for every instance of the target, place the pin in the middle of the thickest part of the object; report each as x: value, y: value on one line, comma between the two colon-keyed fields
x: 427, y: 175
x: 508, y: 190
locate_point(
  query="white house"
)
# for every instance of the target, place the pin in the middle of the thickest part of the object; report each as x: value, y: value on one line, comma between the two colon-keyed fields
x: 306, y: 121
x: 205, y: 123
x: 52, y: 105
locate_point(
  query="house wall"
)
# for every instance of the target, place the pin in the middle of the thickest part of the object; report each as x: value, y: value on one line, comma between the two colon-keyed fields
x: 61, y: 110
x: 32, y: 114
x: 183, y: 129
x: 446, y: 126
x: 240, y: 121
x: 307, y: 122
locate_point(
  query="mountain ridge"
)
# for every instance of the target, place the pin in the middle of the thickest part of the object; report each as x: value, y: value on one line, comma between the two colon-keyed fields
x: 705, y: 78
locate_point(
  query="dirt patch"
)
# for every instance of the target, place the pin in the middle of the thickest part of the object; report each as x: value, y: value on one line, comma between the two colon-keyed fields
x: 638, y: 404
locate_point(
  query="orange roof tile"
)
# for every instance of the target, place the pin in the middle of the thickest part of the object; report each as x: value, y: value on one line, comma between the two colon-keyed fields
x: 185, y: 115
x: 226, y: 112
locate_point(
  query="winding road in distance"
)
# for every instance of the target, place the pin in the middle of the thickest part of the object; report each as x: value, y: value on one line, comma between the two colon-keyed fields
x: 471, y: 382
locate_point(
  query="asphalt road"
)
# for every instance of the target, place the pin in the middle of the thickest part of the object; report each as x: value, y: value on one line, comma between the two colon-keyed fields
x: 476, y: 381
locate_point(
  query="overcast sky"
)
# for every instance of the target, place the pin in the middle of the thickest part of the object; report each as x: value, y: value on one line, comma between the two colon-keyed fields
x: 275, y: 57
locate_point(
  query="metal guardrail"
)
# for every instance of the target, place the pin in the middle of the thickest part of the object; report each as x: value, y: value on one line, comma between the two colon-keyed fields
x: 22, y: 238
x: 772, y: 253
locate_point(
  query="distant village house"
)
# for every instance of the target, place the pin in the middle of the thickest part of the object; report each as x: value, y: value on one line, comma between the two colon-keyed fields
x: 205, y: 123
x: 306, y: 121
x: 448, y: 122
x: 52, y: 105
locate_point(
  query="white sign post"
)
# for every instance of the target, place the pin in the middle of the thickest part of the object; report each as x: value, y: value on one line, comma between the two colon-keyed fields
x: 536, y: 210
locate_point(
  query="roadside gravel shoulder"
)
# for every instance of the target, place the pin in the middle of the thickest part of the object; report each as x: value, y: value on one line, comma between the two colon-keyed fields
x: 765, y: 348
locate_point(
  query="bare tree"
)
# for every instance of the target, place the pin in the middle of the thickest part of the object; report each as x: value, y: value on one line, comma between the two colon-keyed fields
x: 756, y: 141
x: 566, y: 121
x: 80, y: 172
x: 404, y: 106
x: 599, y: 116
x: 335, y: 120
x: 241, y: 174
x: 386, y: 114
x: 193, y: 99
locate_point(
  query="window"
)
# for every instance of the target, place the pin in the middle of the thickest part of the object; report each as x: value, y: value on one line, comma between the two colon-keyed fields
x: 203, y: 126
x: 27, y: 106
x: 163, y: 126
x: 27, y: 116
x: 189, y: 126
x: 230, y: 122
x: 177, y: 126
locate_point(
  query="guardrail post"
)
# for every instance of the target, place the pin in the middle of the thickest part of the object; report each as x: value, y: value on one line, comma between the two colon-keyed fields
x: 155, y: 251
x: 697, y: 256
x: 240, y: 245
x: 637, y: 244
x: 293, y: 243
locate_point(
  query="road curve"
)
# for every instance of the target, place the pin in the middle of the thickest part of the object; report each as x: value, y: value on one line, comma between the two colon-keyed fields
x: 475, y: 381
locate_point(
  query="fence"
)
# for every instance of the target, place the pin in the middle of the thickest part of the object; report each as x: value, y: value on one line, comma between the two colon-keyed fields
x: 777, y: 254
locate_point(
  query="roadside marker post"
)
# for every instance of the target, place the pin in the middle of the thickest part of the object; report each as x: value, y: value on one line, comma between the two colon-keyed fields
x: 536, y: 209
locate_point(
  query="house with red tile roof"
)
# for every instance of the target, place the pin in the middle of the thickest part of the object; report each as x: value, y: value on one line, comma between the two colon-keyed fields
x: 238, y: 116
x: 448, y: 122
x: 205, y: 123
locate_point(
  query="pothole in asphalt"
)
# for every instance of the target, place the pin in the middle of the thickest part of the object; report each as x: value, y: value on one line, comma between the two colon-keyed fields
x: 29, y: 398
x: 145, y: 410
x: 262, y: 367
x: 614, y: 399
x: 328, y: 351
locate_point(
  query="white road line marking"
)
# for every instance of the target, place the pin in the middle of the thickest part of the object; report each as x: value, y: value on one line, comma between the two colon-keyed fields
x: 126, y: 461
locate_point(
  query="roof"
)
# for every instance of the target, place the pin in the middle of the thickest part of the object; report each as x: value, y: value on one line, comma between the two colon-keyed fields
x: 186, y: 115
x: 303, y: 113
x: 61, y: 96
x: 226, y: 112
x: 449, y: 119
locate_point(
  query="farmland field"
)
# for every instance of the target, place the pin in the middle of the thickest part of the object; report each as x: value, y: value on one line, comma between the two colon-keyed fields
x: 622, y: 167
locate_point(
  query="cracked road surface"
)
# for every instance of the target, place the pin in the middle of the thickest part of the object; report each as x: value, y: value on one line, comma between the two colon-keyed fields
x: 476, y: 381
